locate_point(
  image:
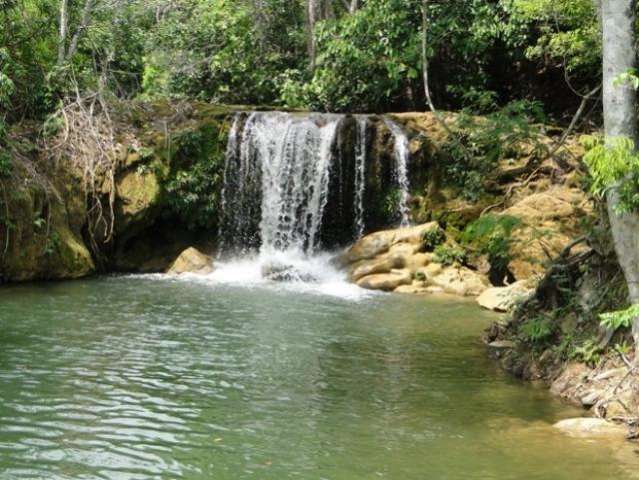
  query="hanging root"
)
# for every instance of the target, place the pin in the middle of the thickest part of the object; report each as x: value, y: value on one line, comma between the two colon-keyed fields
x: 86, y: 144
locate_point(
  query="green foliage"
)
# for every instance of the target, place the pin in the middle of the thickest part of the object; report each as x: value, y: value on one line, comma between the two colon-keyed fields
x: 628, y: 78
x: 589, y: 352
x: 224, y: 51
x: 480, y: 143
x: 491, y: 234
x: 614, y: 163
x: 537, y: 330
x: 449, y: 255
x: 620, y: 318
x: 433, y: 238
x: 568, y: 34
x: 192, y: 189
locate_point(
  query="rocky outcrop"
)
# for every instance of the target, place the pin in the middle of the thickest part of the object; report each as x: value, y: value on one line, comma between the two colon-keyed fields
x: 398, y: 261
x: 550, y: 221
x: 41, y: 225
x: 191, y: 260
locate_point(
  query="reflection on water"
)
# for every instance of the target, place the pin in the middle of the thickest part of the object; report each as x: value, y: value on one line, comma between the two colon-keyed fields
x: 135, y: 378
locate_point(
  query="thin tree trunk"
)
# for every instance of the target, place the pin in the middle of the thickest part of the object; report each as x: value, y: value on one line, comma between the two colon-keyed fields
x: 84, y: 23
x: 620, y: 120
x: 64, y: 26
x: 354, y: 6
x: 311, y: 15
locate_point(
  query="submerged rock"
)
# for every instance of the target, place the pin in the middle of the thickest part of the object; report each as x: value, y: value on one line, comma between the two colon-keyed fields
x: 280, y: 272
x: 591, y: 427
x: 191, y: 260
x: 503, y: 299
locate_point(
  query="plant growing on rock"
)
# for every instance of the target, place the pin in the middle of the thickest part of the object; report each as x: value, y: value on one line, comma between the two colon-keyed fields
x: 491, y: 235
x: 449, y: 255
x: 432, y: 239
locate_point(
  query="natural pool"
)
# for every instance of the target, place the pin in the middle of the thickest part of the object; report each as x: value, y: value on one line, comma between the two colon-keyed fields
x: 151, y: 378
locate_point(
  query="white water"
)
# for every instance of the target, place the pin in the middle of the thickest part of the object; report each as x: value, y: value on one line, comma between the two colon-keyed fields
x: 360, y: 175
x: 402, y: 155
x: 276, y: 189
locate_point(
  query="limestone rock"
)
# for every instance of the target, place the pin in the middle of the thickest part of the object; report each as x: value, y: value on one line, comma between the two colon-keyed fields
x: 460, y: 281
x: 386, y: 281
x: 377, y: 243
x: 377, y: 265
x: 416, y: 288
x: 192, y: 260
x: 550, y: 221
x: 591, y: 427
x: 503, y: 299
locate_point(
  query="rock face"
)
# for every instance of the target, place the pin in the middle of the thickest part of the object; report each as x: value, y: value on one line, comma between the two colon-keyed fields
x: 591, y: 427
x: 502, y: 299
x: 192, y: 260
x: 550, y: 221
x: 396, y: 260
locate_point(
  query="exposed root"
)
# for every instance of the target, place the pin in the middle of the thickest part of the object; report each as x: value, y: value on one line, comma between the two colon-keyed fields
x: 86, y: 142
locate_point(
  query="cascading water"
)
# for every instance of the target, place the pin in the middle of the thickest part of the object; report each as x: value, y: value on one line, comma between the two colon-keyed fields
x: 360, y: 175
x: 402, y: 155
x: 284, y: 173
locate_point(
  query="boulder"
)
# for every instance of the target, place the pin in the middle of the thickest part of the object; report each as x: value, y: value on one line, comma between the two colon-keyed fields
x: 503, y: 299
x: 377, y: 243
x: 460, y: 281
x: 386, y: 281
x: 591, y: 427
x: 376, y: 265
x: 191, y: 260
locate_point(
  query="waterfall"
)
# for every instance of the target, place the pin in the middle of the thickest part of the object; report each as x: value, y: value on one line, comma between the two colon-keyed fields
x: 360, y: 175
x: 295, y: 181
x: 402, y: 155
x: 277, y: 172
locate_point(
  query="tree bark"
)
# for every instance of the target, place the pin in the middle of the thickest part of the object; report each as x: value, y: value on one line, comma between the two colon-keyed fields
x: 620, y: 120
x: 311, y: 16
x: 84, y: 23
x: 64, y: 26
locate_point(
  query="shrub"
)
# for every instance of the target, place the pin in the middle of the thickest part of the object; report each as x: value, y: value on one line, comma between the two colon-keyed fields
x: 449, y: 255
x: 432, y: 239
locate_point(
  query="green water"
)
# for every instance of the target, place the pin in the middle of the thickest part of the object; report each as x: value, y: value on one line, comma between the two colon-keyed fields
x: 138, y: 378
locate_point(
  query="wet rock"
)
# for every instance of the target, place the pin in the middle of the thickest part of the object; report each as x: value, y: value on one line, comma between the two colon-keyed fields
x: 386, y: 281
x: 591, y: 427
x: 191, y: 260
x: 501, y: 345
x: 280, y: 272
x: 416, y: 288
x: 503, y: 299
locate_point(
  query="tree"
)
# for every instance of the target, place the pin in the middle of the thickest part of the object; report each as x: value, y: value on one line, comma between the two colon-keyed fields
x: 620, y: 121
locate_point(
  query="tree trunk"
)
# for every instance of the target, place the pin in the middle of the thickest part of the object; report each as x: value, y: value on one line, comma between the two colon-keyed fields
x: 311, y: 16
x: 64, y: 25
x: 84, y: 23
x: 620, y: 120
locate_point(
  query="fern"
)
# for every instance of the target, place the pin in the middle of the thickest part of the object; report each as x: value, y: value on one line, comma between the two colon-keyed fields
x: 614, y: 163
x: 620, y: 318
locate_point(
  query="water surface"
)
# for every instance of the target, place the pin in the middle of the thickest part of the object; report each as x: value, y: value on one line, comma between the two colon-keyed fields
x: 146, y: 378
